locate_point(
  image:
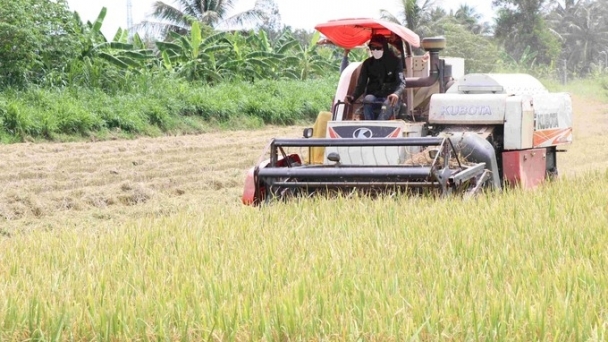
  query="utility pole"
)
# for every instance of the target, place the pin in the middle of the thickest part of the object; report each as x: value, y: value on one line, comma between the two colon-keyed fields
x: 129, y: 17
x: 565, y: 76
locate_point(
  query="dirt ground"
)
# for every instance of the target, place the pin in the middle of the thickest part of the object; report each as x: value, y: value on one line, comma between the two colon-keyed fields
x: 57, y: 185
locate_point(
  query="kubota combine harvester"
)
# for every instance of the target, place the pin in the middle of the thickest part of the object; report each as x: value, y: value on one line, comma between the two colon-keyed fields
x: 456, y: 133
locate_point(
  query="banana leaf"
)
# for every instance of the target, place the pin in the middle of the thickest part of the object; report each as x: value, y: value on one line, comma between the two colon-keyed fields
x: 113, y: 60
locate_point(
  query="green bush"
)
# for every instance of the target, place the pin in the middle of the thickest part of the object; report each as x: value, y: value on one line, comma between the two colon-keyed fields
x: 164, y: 105
x: 38, y: 40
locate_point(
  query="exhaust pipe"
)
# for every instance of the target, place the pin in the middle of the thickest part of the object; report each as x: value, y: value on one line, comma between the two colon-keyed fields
x: 433, y: 46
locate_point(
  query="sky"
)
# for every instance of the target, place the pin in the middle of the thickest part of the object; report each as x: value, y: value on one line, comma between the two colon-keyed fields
x: 297, y: 14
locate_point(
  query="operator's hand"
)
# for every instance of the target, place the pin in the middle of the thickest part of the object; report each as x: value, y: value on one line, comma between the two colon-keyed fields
x: 393, y: 99
x: 349, y: 99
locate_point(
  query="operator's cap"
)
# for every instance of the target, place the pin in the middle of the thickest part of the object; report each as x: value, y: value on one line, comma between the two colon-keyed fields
x: 377, y: 39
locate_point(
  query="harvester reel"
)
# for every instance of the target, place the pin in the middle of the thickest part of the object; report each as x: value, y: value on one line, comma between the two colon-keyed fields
x: 444, y: 175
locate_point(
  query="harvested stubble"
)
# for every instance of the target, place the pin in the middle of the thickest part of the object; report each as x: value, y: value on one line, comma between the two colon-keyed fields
x: 423, y: 158
x: 52, y: 185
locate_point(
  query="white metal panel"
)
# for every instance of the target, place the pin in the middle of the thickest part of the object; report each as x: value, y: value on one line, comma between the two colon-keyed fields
x: 519, y: 123
x: 373, y: 155
x: 511, y: 84
x: 527, y: 124
x: 550, y: 106
x: 457, y: 64
x: 472, y: 109
x: 342, y: 89
x: 553, y: 119
x: 413, y: 130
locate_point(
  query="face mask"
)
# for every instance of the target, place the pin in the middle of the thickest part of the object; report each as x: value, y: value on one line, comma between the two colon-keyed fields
x: 377, y: 53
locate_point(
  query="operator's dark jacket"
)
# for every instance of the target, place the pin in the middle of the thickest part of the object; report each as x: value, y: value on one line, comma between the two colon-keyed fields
x: 381, y: 77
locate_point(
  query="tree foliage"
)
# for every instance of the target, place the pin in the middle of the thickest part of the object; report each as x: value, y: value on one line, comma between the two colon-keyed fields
x: 521, y: 25
x: 582, y: 27
x: 417, y: 15
x: 481, y: 54
x: 43, y: 43
x: 107, y: 64
x: 179, y: 16
x: 468, y: 17
x: 37, y: 38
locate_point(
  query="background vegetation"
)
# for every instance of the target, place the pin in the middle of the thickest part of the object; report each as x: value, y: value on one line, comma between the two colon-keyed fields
x: 62, y: 77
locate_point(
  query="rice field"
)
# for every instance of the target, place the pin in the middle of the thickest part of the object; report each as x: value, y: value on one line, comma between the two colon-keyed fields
x: 147, y: 240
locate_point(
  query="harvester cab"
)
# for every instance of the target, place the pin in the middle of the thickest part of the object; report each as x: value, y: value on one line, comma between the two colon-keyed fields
x: 455, y: 133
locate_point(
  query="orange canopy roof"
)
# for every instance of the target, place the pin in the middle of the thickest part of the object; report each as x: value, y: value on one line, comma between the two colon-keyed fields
x: 350, y: 33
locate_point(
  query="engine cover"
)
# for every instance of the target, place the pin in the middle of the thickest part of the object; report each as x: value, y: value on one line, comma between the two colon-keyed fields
x: 472, y: 109
x: 530, y: 115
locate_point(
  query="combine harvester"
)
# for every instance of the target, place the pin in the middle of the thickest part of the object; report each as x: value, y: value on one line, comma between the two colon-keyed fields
x: 455, y: 133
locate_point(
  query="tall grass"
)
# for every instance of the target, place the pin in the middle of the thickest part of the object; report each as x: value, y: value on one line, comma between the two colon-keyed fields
x: 518, y: 265
x: 161, y: 105
x: 592, y: 88
x: 156, y: 105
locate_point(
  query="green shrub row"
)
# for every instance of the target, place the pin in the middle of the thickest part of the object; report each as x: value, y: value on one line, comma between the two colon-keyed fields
x: 164, y: 105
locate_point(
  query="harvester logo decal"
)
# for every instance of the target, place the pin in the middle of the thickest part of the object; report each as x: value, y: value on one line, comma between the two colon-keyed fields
x: 466, y: 110
x: 363, y: 133
x: 552, y: 137
x: 547, y: 121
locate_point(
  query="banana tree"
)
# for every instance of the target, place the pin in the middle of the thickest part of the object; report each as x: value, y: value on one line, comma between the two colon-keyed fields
x: 192, y: 56
x: 284, y: 46
x: 117, y: 52
x: 250, y: 57
x: 307, y: 61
